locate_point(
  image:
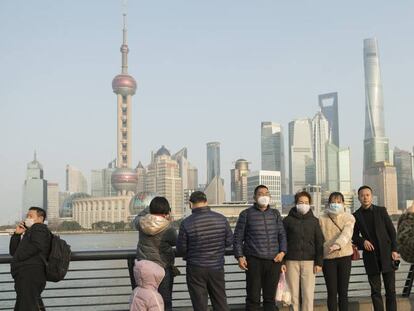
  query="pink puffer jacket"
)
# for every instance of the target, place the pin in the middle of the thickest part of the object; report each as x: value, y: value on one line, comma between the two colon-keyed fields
x: 145, y: 297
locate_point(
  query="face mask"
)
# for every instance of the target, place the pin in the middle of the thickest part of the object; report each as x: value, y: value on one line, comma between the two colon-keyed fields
x: 28, y: 222
x: 336, y: 208
x: 263, y: 201
x: 303, y: 208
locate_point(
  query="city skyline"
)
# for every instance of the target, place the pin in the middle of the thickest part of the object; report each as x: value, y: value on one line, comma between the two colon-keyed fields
x: 259, y: 89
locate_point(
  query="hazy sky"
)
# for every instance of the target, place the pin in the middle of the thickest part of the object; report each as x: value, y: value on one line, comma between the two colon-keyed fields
x: 206, y: 71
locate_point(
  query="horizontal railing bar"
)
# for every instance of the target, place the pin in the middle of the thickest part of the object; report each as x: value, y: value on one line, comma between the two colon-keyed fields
x: 85, y: 287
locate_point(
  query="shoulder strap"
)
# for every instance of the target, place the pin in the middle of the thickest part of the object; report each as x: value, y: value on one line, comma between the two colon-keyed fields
x: 334, y: 223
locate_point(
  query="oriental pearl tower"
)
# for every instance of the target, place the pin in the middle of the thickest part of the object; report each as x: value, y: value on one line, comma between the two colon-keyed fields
x: 124, y: 179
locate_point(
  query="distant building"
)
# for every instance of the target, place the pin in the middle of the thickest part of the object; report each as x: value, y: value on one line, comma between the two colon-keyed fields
x: 35, y: 187
x: 52, y: 202
x: 403, y: 165
x: 101, y: 184
x: 75, y: 180
x: 301, y: 162
x: 163, y: 178
x: 239, y: 181
x: 329, y: 107
x: 320, y: 140
x: 382, y: 178
x: 272, y: 150
x: 215, y: 191
x: 188, y: 172
x: 213, y: 161
x: 272, y: 180
x: 87, y: 211
x: 376, y: 144
x: 316, y: 195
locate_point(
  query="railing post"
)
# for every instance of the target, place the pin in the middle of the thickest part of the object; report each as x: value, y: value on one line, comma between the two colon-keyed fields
x: 409, y: 282
x: 131, y: 261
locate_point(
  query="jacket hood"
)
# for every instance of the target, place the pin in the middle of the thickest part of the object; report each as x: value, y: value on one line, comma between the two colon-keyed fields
x: 294, y: 213
x: 153, y: 224
x: 148, y: 274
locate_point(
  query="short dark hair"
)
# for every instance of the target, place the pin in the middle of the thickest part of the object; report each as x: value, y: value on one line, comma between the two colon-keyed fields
x: 198, y: 197
x: 335, y: 195
x: 364, y: 187
x: 40, y: 211
x: 259, y: 187
x: 159, y: 205
x: 300, y: 194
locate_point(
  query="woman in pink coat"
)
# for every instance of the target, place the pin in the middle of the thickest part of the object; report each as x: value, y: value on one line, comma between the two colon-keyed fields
x: 148, y: 276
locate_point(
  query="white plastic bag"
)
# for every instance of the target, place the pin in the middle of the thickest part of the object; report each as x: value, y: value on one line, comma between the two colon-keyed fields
x: 282, y: 291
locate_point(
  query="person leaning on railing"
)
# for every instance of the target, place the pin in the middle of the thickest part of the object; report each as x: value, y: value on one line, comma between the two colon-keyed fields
x: 337, y: 226
x: 304, y: 252
x: 259, y: 246
x: 28, y: 244
x: 202, y: 241
x: 157, y: 237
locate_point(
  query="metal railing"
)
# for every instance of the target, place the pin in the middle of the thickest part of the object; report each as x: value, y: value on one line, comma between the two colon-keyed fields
x: 101, y: 280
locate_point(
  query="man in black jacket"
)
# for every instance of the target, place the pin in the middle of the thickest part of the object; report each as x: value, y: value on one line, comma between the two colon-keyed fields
x: 28, y: 244
x: 202, y: 240
x: 374, y: 233
x: 259, y: 246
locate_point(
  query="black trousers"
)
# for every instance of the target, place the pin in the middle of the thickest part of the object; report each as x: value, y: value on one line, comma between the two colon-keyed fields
x: 262, y: 275
x: 204, y: 282
x: 336, y: 273
x: 165, y: 289
x: 29, y: 283
x: 389, y: 284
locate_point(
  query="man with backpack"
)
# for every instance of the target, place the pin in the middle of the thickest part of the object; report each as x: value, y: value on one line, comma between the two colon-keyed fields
x: 259, y: 246
x: 29, y: 246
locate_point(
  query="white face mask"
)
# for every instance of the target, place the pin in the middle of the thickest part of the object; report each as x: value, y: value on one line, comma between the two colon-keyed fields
x: 303, y: 208
x: 336, y: 208
x: 29, y: 222
x: 263, y: 201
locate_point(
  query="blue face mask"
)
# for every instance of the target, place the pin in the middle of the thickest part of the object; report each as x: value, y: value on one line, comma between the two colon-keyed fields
x: 336, y: 208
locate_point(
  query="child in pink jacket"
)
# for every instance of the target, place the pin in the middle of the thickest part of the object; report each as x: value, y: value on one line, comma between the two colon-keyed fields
x: 148, y: 276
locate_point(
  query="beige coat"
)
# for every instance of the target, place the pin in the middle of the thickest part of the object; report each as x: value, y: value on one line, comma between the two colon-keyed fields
x: 333, y: 235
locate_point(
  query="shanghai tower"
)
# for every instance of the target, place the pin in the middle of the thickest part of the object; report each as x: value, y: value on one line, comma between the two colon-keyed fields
x: 375, y: 143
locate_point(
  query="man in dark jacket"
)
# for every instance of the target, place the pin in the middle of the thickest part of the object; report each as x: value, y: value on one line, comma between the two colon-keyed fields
x: 259, y: 246
x: 30, y: 246
x: 374, y: 233
x: 202, y: 240
x: 157, y: 237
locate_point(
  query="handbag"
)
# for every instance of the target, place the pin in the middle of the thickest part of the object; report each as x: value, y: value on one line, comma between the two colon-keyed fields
x: 355, y: 252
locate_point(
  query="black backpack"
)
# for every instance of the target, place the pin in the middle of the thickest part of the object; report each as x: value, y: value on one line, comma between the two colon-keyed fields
x: 57, y: 264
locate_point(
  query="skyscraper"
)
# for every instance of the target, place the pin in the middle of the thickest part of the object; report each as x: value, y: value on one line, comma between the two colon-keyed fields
x: 272, y: 147
x: 75, y: 180
x: 35, y: 187
x: 320, y: 140
x: 403, y: 165
x: 329, y: 107
x: 376, y: 143
x: 215, y: 191
x: 163, y: 178
x: 213, y: 160
x: 239, y: 181
x: 301, y: 162
x: 124, y: 178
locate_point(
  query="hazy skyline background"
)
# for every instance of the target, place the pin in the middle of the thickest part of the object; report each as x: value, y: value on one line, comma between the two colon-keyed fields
x: 206, y: 71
